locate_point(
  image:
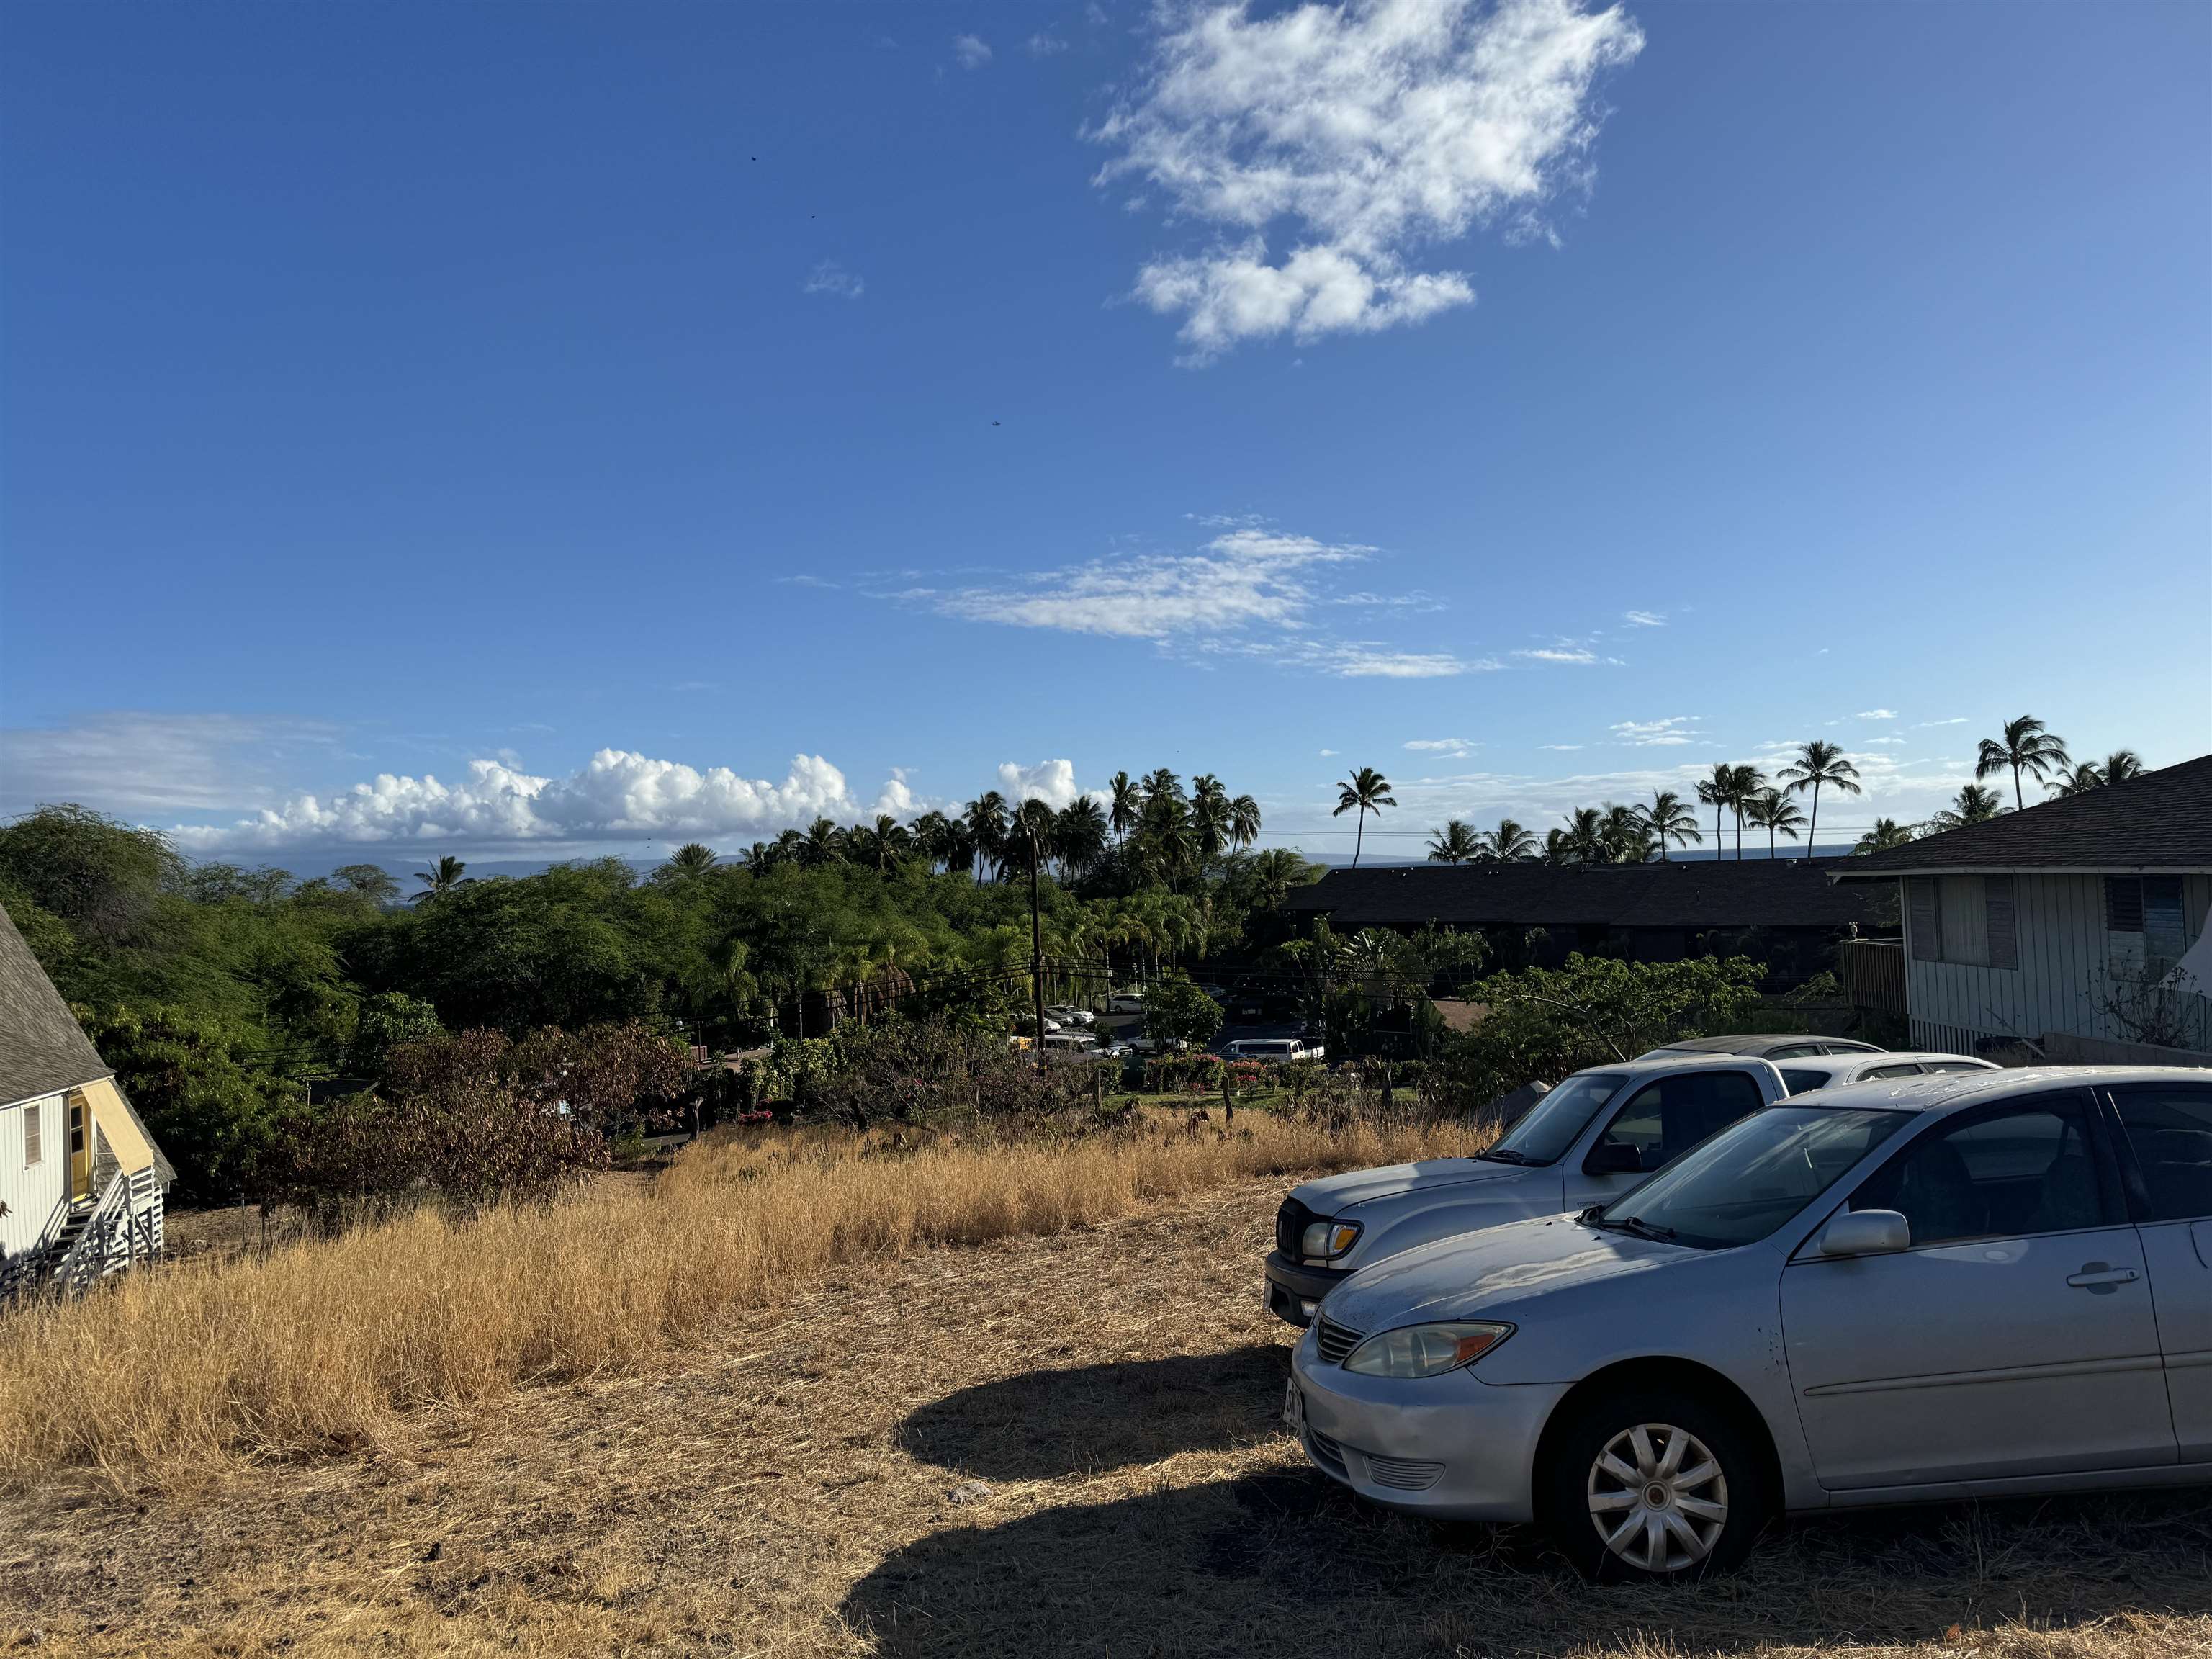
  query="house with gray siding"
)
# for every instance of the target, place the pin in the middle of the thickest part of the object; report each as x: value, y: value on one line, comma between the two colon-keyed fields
x: 81, y: 1181
x: 2063, y: 927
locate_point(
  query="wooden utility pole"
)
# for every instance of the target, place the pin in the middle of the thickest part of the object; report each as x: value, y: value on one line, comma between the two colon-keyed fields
x: 1037, y: 945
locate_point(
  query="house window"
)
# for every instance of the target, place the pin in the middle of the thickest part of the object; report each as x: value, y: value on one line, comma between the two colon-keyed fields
x: 33, y: 1133
x: 1964, y: 919
x: 2143, y: 920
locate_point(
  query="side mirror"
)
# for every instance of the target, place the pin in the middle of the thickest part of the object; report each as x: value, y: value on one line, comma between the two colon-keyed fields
x: 1613, y: 1157
x: 1866, y: 1232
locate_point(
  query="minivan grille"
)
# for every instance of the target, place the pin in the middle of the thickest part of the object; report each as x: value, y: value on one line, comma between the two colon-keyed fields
x: 1335, y: 1342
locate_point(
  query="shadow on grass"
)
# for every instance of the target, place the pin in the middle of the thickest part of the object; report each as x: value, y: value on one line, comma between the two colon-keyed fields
x: 1044, y: 1424
x: 1286, y: 1564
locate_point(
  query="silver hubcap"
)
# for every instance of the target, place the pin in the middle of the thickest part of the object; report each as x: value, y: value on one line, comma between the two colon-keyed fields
x: 1658, y: 1497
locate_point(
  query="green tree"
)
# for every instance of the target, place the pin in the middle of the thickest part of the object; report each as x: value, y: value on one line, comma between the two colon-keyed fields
x: 442, y: 878
x: 1509, y: 843
x: 1124, y: 805
x: 689, y: 862
x: 1818, y: 762
x: 1454, y: 844
x: 1716, y: 789
x: 101, y: 876
x: 1180, y: 1015
x: 2024, y: 746
x: 1585, y: 837
x: 1366, y: 791
x: 1776, y: 813
x: 1885, y: 834
x: 1668, y: 821
x: 1972, y: 804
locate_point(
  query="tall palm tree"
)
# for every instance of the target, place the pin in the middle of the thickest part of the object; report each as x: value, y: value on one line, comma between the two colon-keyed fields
x: 689, y: 861
x: 1366, y: 790
x: 1125, y: 802
x: 1160, y: 784
x: 2080, y: 781
x: 441, y: 878
x: 1776, y: 813
x: 1973, y: 805
x: 1885, y: 834
x: 1558, y: 849
x: 1627, y: 837
x: 1818, y: 762
x: 1454, y: 844
x: 2122, y: 764
x: 1209, y: 817
x: 2025, y: 746
x: 985, y: 820
x: 1714, y: 790
x: 1244, y: 822
x: 1743, y: 782
x: 1585, y: 834
x: 930, y: 834
x: 1510, y: 842
x: 823, y: 843
x: 885, y: 844
x: 1078, y: 833
x: 1667, y: 819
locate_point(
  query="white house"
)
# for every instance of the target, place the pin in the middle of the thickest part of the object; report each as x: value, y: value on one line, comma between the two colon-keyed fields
x: 80, y: 1180
x: 2063, y: 926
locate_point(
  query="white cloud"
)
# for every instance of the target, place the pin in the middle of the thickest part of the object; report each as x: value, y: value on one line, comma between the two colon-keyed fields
x: 832, y: 278
x: 1452, y: 747
x: 1051, y: 782
x: 1877, y: 714
x: 1563, y: 747
x: 1560, y: 654
x: 1644, y: 618
x: 619, y: 795
x: 1956, y: 720
x: 1676, y: 729
x: 1375, y: 128
x: 970, y: 50
x: 132, y: 761
x: 1044, y: 46
x: 1368, y: 662
x: 1326, y: 753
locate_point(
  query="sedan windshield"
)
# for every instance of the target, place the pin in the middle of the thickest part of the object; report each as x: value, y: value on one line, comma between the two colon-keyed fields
x: 1752, y: 1178
x: 1554, y: 1123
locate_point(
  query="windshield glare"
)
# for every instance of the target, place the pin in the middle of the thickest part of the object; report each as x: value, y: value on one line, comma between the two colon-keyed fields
x: 1554, y: 1123
x: 1754, y: 1176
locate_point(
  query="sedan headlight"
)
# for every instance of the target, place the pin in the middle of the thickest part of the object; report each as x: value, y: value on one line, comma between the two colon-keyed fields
x: 1323, y: 1241
x: 1424, y: 1350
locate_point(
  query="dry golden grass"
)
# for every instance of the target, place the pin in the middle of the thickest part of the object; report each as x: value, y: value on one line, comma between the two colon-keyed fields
x: 319, y: 1344
x: 783, y: 1486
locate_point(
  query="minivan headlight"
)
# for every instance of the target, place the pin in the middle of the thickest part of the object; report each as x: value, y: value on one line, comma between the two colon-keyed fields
x: 1424, y: 1350
x: 1324, y: 1240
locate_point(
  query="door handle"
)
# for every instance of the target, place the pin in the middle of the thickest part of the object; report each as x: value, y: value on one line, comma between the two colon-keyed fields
x: 2094, y: 1274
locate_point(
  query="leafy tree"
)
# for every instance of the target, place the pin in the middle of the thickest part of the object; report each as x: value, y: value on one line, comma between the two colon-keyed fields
x: 200, y: 1085
x: 1366, y: 791
x: 1818, y: 762
x: 1454, y: 844
x: 2024, y: 746
x: 101, y: 876
x: 387, y: 1021
x: 370, y: 881
x: 1667, y: 820
x: 1179, y: 1014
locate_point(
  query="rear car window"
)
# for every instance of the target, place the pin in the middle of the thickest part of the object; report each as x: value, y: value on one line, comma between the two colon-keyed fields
x: 2169, y: 1126
x: 1800, y: 1082
x: 1903, y: 1069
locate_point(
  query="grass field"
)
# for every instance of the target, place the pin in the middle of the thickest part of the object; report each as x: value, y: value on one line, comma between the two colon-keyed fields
x: 784, y: 1484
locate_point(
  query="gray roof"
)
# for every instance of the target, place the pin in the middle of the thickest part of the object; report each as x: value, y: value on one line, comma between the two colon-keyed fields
x: 43, y: 1050
x: 2161, y: 821
x: 1704, y: 894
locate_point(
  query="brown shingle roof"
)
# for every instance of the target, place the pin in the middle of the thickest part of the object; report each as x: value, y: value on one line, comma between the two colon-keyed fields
x: 2161, y: 821
x: 1756, y: 892
x: 43, y: 1050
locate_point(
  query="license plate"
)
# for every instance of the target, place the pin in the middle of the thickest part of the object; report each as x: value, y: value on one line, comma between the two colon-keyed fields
x: 1294, y: 1406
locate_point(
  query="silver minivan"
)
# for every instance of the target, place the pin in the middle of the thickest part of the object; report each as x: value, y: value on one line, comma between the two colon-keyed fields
x: 1981, y: 1283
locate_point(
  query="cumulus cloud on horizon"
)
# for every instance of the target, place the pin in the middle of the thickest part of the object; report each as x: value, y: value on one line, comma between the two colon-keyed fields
x: 1372, y: 129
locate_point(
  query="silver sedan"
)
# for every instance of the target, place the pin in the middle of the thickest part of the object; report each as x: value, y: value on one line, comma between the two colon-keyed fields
x: 1989, y: 1283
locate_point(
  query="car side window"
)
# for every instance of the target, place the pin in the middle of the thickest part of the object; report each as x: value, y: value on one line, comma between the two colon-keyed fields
x: 2169, y: 1128
x: 1794, y: 1051
x: 1804, y: 1082
x: 1906, y: 1069
x: 2011, y: 1174
x: 1670, y: 1115
x: 1941, y: 1067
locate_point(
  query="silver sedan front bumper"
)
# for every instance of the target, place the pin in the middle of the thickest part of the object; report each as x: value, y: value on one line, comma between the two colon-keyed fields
x: 1446, y: 1446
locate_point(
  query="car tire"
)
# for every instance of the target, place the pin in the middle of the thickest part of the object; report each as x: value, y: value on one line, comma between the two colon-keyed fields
x: 1621, y: 1455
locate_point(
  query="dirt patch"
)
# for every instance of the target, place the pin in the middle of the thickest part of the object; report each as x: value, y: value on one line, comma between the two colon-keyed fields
x: 788, y: 1489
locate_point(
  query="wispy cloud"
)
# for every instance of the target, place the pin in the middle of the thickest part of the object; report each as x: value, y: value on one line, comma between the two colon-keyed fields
x: 1560, y: 747
x: 831, y: 278
x: 1956, y: 720
x: 970, y: 52
x: 1674, y: 731
x: 1326, y: 753
x: 1044, y: 46
x: 134, y: 761
x: 1453, y: 748
x: 1877, y: 714
x: 1644, y: 618
x: 1374, y: 129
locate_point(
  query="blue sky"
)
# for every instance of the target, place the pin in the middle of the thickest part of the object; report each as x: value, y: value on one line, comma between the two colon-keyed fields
x: 499, y: 429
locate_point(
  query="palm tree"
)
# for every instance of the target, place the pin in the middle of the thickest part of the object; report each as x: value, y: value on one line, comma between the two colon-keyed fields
x: 1124, y: 803
x: 823, y: 843
x: 930, y: 834
x: 1818, y: 762
x: 2122, y: 764
x: 692, y: 859
x: 985, y: 820
x: 1510, y: 842
x: 1885, y: 834
x: 2116, y: 768
x: 1558, y: 849
x: 441, y: 878
x: 1667, y: 819
x: 1713, y: 791
x: 1209, y: 817
x: 1776, y: 813
x: 1368, y: 791
x: 1743, y: 782
x: 2025, y: 746
x: 884, y: 844
x: 1079, y: 834
x: 1585, y: 834
x: 1627, y: 837
x: 1454, y: 844
x: 1244, y: 822
x: 1974, y: 805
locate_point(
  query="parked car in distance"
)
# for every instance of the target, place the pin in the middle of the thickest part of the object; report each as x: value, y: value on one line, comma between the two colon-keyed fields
x: 1062, y: 1042
x: 1763, y: 1045
x: 1070, y: 1016
x: 1804, y: 1076
x: 1126, y: 1002
x: 1274, y: 1050
x: 1598, y: 1133
x: 1114, y: 1049
x: 1982, y: 1284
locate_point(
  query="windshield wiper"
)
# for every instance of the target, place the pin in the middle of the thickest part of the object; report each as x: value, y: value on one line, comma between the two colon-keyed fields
x: 1503, y: 1155
x: 1638, y: 1225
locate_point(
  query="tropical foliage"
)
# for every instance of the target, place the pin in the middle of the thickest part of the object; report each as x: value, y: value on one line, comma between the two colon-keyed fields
x: 2025, y: 746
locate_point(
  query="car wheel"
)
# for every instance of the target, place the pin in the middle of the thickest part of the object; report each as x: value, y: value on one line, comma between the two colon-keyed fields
x: 1652, y: 1484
